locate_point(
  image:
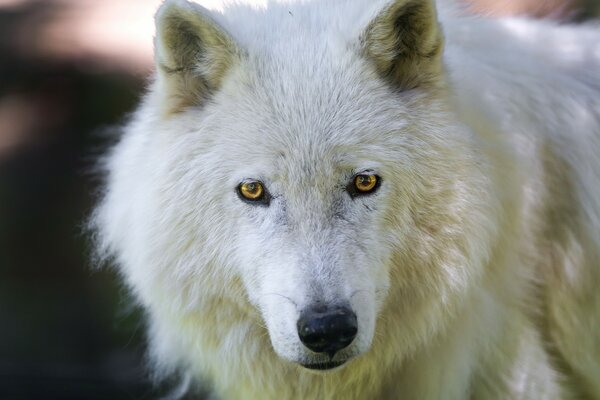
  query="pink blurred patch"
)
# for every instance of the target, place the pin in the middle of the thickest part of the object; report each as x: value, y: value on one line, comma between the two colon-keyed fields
x: 108, y: 34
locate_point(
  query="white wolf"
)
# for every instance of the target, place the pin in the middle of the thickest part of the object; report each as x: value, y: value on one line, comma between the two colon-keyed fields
x: 347, y: 200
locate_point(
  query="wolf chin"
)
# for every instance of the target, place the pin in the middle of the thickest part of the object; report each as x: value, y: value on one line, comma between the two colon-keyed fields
x: 352, y: 200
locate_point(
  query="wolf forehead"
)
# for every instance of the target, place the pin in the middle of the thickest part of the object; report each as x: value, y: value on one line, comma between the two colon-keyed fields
x: 300, y: 32
x: 301, y: 95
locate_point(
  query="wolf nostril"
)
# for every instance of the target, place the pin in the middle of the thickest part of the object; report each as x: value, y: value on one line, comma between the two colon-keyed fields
x: 319, y: 308
x: 324, y: 331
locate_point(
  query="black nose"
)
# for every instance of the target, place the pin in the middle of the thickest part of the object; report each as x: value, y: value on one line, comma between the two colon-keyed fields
x: 327, y: 330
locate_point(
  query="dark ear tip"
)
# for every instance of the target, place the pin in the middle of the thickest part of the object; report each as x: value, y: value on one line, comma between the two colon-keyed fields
x: 177, y: 9
x: 167, y: 7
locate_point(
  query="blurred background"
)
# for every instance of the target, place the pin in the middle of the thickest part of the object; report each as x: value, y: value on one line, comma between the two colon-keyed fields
x: 69, y: 71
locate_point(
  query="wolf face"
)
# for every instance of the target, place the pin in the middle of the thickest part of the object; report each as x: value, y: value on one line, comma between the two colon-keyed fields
x: 299, y: 186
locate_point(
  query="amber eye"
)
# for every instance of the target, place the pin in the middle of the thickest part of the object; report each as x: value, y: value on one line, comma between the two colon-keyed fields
x: 252, y: 191
x: 365, y: 183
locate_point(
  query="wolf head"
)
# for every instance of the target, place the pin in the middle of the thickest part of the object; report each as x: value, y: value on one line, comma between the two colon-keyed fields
x: 297, y: 174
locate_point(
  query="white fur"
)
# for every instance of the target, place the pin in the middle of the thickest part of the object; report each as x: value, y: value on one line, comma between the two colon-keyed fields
x: 473, y: 270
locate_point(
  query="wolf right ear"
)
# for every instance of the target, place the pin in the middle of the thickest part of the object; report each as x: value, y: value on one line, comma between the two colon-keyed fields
x: 192, y: 54
x: 405, y: 43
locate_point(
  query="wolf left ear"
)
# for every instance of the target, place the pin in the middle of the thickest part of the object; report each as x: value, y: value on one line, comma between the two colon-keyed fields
x: 192, y: 54
x: 405, y: 43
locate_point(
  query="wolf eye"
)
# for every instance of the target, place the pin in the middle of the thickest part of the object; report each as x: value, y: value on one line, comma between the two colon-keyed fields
x: 364, y: 184
x: 252, y: 191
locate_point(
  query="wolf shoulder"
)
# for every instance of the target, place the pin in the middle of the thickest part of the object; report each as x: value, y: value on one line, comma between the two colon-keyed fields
x: 537, y: 85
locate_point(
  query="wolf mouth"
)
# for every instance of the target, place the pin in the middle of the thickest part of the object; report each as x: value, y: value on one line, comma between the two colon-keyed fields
x: 324, y: 366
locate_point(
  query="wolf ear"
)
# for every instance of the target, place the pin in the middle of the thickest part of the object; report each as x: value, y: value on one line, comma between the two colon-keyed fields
x: 405, y: 42
x: 192, y: 54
